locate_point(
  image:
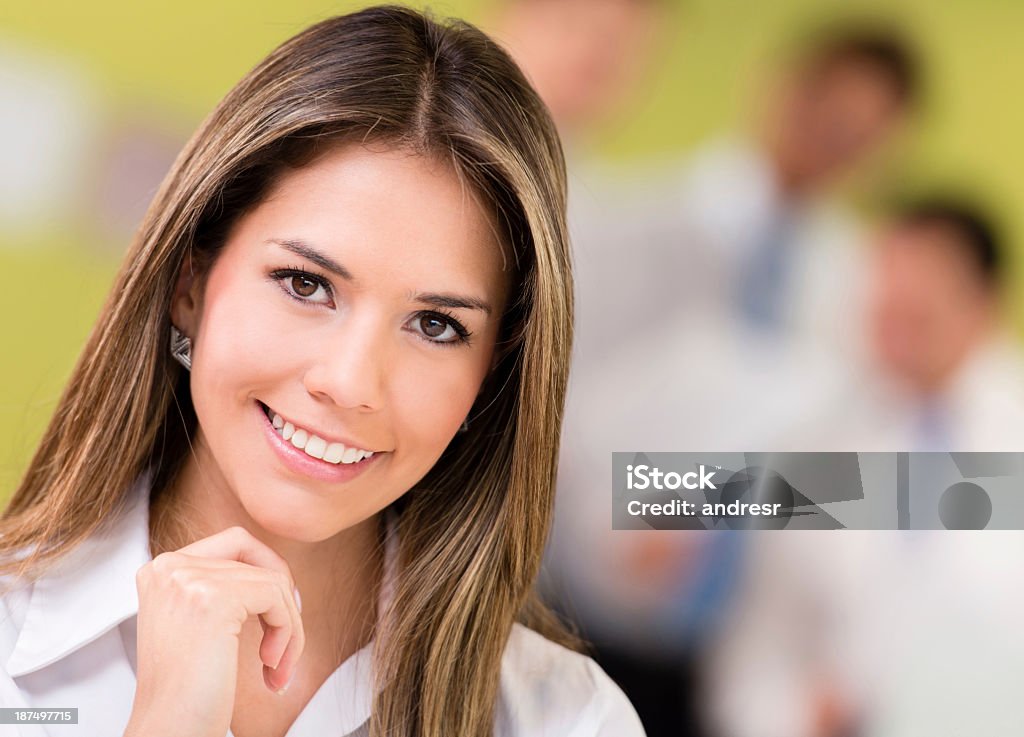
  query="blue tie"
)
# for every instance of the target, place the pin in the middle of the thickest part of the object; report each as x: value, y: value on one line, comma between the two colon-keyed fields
x: 931, y: 427
x: 764, y: 277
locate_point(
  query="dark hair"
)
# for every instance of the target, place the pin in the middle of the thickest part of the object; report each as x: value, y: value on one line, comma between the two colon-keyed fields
x: 974, y: 229
x: 884, y: 49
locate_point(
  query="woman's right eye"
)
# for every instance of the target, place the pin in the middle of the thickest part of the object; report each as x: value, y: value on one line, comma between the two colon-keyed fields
x: 304, y: 286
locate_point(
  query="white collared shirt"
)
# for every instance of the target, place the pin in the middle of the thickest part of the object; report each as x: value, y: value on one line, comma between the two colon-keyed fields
x: 68, y: 640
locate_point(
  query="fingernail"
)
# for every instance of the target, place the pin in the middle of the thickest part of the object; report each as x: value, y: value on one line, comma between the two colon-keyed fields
x: 298, y: 599
x: 280, y: 691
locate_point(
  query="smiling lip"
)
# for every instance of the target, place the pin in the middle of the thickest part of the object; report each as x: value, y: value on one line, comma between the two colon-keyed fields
x: 327, y: 438
x: 300, y: 463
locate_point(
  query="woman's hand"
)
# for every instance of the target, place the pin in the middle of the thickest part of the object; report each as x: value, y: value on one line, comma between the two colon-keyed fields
x: 192, y: 605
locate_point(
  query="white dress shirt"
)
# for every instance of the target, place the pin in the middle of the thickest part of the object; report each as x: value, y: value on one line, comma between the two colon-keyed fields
x: 69, y: 640
x: 916, y: 632
x: 981, y: 408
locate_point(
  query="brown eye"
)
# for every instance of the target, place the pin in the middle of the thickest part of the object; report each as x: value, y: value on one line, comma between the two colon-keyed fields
x: 303, y: 286
x: 433, y: 327
x: 438, y: 328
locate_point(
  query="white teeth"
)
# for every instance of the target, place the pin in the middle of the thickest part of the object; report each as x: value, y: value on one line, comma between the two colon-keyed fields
x: 299, y: 438
x: 334, y: 453
x: 316, y: 446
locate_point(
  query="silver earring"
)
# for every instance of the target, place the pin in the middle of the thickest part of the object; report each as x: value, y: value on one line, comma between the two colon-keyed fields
x: 464, y: 426
x: 181, y: 348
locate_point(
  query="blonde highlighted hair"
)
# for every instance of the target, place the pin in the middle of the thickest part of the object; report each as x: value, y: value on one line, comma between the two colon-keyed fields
x: 473, y: 530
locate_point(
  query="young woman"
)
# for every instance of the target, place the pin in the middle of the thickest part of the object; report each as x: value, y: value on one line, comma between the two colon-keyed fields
x: 300, y: 480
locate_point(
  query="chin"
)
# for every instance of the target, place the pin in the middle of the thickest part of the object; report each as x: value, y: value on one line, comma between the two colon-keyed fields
x: 306, y: 521
x: 286, y: 512
x: 309, y: 529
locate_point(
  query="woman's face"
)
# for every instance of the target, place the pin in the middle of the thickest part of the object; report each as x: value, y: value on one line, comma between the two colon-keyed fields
x: 360, y: 303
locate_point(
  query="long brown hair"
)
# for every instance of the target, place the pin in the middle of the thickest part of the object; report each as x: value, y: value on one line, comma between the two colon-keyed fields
x: 473, y: 530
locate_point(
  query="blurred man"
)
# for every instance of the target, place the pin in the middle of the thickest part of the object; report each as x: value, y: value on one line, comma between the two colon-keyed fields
x: 590, y: 60
x: 935, y: 330
x: 760, y: 208
x: 891, y: 634
x: 746, y: 242
x: 942, y: 371
x: 584, y: 57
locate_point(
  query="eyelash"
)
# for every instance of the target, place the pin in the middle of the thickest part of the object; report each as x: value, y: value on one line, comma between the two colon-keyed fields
x: 279, y: 275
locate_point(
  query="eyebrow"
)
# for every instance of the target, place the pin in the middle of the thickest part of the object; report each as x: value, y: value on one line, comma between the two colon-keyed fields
x: 455, y: 301
x: 301, y: 248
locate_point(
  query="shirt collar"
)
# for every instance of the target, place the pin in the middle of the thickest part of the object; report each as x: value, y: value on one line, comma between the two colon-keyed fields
x: 89, y: 591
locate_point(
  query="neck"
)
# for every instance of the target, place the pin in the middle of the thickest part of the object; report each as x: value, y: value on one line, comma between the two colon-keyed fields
x: 337, y: 578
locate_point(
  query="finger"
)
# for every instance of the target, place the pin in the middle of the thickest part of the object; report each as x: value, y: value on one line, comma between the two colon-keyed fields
x: 250, y: 591
x: 276, y: 612
x: 288, y: 663
x: 238, y: 544
x: 283, y: 633
x: 275, y: 640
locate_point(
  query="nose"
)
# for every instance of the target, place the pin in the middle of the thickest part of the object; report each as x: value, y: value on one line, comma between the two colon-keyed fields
x: 350, y: 366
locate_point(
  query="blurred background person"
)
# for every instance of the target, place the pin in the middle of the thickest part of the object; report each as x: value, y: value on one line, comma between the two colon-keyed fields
x: 747, y: 241
x: 948, y: 373
x: 763, y: 204
x: 586, y: 58
x: 874, y: 633
x: 593, y: 63
x: 943, y: 370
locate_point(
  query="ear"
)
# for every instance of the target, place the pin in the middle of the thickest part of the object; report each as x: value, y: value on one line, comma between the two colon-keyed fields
x: 186, y: 303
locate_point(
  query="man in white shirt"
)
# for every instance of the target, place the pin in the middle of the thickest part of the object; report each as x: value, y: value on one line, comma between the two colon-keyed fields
x: 887, y: 633
x: 942, y: 371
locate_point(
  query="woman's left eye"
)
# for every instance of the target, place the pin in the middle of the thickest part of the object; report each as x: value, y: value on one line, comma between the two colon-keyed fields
x: 439, y: 328
x: 303, y: 286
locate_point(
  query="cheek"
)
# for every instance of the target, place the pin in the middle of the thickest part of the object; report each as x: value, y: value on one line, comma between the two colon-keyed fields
x: 432, y: 392
x: 241, y: 342
x: 430, y: 402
